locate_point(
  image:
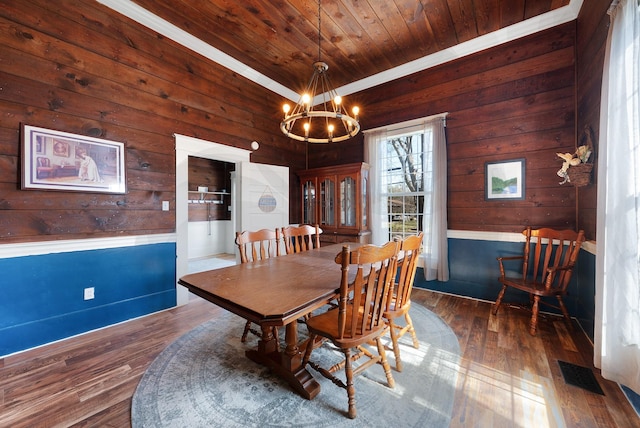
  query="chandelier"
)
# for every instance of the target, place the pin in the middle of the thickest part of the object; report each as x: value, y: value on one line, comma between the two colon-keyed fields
x: 319, y: 116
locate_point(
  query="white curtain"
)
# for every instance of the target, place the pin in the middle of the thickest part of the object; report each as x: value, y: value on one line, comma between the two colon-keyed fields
x: 435, y: 257
x: 379, y: 221
x: 617, y: 323
x: 436, y: 250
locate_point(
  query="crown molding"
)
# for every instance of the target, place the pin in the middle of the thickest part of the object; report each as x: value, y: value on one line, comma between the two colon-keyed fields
x: 525, y: 28
x: 143, y: 17
x: 530, y: 26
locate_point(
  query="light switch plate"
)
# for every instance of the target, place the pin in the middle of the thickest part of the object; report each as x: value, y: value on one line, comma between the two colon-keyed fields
x: 165, y: 205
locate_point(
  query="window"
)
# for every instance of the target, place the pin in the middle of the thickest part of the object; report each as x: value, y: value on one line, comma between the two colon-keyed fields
x: 408, y: 179
x: 404, y: 159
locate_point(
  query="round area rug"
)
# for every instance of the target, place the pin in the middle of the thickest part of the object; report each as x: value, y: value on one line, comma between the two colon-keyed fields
x: 203, y: 379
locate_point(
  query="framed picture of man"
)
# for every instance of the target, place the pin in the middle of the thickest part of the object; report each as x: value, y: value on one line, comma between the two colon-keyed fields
x: 56, y: 160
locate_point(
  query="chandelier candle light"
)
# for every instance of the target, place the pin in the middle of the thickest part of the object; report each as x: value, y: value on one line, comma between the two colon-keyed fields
x: 321, y: 120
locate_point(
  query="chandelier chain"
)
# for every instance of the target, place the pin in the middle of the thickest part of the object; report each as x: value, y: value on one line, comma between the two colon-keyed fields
x: 319, y: 31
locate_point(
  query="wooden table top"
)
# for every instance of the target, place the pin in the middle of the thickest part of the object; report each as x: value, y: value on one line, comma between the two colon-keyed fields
x: 274, y: 291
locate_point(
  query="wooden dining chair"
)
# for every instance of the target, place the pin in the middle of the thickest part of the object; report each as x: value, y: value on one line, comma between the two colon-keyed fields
x: 301, y: 238
x: 400, y: 301
x: 547, y: 263
x: 258, y: 245
x: 358, y: 318
x: 254, y: 246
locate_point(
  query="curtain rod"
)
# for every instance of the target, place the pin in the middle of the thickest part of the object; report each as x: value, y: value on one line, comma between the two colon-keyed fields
x: 409, y: 123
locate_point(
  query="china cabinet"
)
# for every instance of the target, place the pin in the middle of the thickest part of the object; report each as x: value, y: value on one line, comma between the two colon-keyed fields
x: 337, y: 199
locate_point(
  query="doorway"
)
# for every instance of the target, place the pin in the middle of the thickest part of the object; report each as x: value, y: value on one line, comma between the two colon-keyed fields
x: 185, y: 147
x: 211, y: 235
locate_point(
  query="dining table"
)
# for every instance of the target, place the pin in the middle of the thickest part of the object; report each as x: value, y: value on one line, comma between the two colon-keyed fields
x: 276, y: 292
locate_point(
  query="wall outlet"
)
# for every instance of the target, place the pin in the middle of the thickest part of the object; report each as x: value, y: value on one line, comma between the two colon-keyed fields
x: 165, y: 205
x: 89, y: 293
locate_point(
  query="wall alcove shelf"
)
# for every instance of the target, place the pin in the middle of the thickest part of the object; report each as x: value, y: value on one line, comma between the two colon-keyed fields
x: 207, y: 197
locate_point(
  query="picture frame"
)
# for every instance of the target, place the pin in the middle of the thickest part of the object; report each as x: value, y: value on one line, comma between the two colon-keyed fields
x: 57, y: 160
x: 505, y: 180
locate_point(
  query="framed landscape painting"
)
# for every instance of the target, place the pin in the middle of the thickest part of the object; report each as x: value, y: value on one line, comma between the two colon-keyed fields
x: 504, y: 179
x: 56, y: 160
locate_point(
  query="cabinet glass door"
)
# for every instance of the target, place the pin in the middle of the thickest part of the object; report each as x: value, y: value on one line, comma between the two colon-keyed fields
x: 365, y: 198
x: 327, y: 202
x: 309, y: 202
x: 348, y: 202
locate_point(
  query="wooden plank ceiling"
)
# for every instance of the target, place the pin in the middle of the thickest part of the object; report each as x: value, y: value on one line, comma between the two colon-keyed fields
x: 279, y: 38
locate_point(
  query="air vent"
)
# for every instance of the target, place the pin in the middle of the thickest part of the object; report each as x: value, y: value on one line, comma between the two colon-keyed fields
x: 579, y: 376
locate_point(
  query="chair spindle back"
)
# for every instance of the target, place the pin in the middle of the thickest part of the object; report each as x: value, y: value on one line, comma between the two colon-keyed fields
x: 549, y: 248
x: 301, y: 238
x: 407, y: 265
x: 258, y: 245
x: 362, y: 302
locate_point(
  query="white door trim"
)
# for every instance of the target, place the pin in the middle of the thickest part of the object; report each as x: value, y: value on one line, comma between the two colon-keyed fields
x: 185, y: 147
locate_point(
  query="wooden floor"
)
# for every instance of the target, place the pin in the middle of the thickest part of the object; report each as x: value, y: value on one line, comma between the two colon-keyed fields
x: 507, y: 377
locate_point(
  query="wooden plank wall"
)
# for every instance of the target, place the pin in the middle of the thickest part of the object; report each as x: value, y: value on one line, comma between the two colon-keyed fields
x: 512, y: 101
x: 85, y: 69
x: 592, y: 30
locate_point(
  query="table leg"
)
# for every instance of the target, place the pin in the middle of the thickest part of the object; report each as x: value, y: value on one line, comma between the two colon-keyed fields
x: 268, y: 342
x: 291, y: 357
x: 286, y: 364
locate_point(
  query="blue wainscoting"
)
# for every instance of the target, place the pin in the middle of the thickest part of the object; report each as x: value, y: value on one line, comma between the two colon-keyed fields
x: 585, y: 292
x: 474, y: 273
x: 43, y: 295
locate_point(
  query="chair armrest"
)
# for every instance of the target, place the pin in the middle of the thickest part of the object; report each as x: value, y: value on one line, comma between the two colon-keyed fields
x: 557, y: 268
x: 552, y: 272
x: 510, y: 258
